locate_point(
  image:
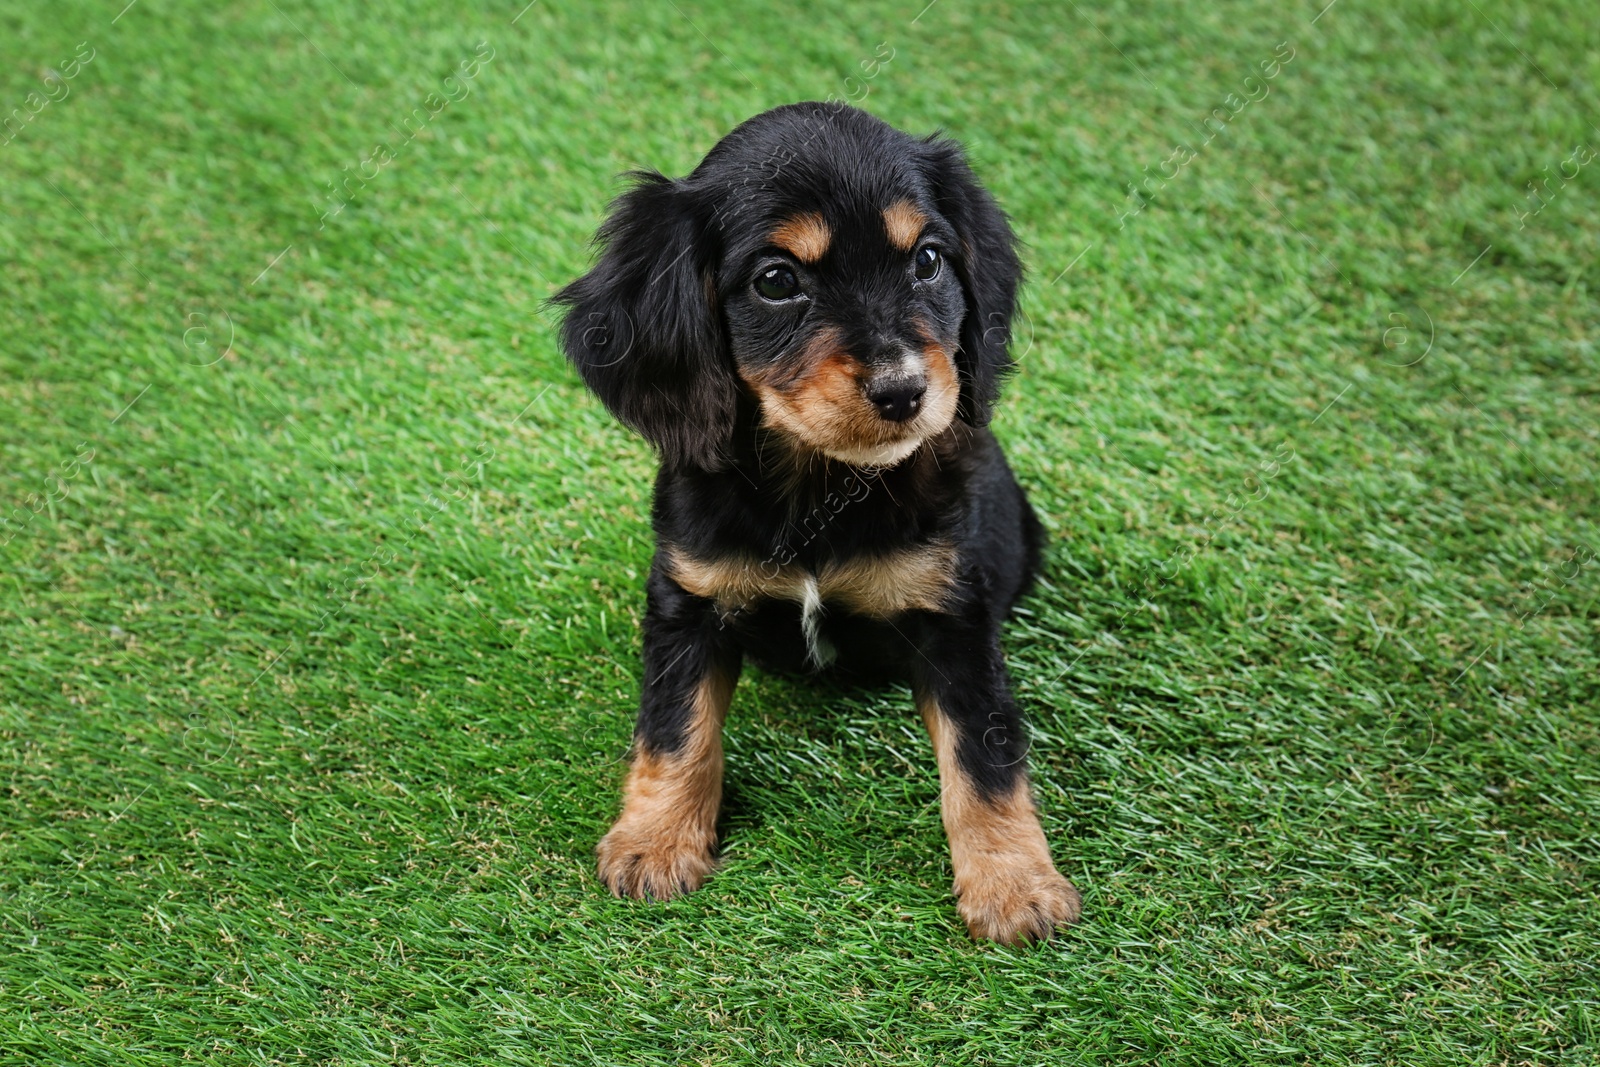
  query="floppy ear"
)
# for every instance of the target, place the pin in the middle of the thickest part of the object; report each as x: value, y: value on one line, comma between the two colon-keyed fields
x: 990, y: 272
x: 642, y: 331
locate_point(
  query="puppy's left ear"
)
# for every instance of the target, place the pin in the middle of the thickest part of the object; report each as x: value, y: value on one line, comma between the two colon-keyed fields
x: 990, y: 272
x: 642, y: 329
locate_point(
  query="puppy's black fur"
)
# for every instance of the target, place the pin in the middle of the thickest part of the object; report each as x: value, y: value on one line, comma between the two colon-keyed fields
x: 812, y: 329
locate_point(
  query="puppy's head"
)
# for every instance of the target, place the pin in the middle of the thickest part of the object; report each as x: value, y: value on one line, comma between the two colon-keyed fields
x: 851, y: 284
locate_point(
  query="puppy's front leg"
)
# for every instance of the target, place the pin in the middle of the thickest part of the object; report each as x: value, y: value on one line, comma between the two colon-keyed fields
x: 1008, y: 888
x: 660, y: 847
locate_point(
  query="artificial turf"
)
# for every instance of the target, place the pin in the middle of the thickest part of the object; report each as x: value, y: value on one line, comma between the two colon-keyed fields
x: 322, y: 573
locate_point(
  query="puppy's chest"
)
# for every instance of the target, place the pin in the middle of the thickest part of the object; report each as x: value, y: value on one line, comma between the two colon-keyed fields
x: 881, y: 585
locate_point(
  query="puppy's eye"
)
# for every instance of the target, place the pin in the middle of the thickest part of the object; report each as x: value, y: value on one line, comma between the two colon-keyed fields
x: 926, y: 263
x: 778, y: 283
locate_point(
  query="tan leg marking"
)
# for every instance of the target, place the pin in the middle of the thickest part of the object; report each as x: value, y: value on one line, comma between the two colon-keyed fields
x: 1008, y: 888
x: 660, y: 846
x: 903, y: 222
x: 806, y: 237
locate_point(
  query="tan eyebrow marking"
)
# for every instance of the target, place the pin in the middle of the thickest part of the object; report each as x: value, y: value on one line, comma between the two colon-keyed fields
x: 806, y: 237
x: 904, y: 222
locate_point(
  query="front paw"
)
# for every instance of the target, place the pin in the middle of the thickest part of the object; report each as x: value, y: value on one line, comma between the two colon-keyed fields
x: 1014, y: 905
x: 650, y: 861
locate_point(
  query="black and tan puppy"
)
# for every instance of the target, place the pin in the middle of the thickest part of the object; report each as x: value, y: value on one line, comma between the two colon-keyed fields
x: 811, y: 328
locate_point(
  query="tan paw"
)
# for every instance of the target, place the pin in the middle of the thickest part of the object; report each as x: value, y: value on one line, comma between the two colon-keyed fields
x: 653, y: 862
x: 1018, y: 904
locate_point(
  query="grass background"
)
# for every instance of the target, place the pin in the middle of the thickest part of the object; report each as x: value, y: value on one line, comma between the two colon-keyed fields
x: 321, y: 574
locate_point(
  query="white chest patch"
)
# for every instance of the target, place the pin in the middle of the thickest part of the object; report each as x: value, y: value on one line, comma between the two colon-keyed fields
x: 819, y: 650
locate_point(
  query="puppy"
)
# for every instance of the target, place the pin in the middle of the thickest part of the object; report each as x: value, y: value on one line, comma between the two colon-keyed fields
x: 811, y: 328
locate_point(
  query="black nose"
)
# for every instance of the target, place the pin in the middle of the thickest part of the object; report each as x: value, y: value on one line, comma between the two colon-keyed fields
x: 897, y: 401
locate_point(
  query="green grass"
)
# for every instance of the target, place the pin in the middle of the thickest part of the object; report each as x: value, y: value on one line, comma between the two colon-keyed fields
x: 319, y: 674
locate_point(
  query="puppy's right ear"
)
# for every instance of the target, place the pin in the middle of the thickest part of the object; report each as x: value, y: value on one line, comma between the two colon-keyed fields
x: 642, y: 329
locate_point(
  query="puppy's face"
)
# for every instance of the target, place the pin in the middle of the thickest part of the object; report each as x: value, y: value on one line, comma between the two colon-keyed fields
x: 843, y: 315
x: 849, y: 283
